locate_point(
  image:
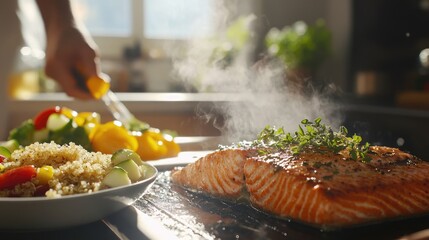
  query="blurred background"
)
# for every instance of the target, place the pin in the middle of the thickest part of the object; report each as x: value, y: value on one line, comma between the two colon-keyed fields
x: 136, y: 38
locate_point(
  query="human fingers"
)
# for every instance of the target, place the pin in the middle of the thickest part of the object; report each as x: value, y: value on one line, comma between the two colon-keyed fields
x: 65, y: 77
x: 88, y: 62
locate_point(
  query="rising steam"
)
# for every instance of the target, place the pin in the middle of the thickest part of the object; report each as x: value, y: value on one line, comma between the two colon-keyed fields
x: 265, y: 99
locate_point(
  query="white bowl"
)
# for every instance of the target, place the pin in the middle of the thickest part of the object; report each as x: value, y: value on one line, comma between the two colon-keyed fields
x: 41, y: 213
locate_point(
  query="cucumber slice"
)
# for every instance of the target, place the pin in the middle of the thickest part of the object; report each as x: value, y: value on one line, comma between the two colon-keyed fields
x: 5, y: 152
x: 117, y: 177
x: 132, y: 169
x: 11, y: 145
x: 125, y: 154
x: 146, y: 170
x: 57, y: 121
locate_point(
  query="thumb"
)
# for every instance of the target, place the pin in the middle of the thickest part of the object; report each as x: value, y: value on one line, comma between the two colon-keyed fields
x: 88, y: 65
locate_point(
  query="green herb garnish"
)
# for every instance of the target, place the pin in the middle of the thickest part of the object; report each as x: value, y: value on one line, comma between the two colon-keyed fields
x: 314, y: 135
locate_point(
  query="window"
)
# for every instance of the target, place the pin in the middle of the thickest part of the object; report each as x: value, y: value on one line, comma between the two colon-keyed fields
x: 105, y: 18
x: 151, y: 25
x: 166, y: 19
x: 115, y: 24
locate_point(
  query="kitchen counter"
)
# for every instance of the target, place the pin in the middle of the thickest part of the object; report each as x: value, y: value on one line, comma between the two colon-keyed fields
x: 153, y: 102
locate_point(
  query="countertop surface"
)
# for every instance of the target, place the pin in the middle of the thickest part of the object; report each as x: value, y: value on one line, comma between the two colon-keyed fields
x: 187, y: 101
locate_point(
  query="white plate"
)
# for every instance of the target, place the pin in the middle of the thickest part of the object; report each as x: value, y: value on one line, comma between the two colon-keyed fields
x: 40, y: 213
x: 182, y: 159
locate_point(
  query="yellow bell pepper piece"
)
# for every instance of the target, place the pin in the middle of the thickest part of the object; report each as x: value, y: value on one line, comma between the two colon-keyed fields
x: 150, y: 144
x: 173, y: 149
x: 70, y: 113
x: 112, y: 136
x: 83, y: 118
x: 98, y: 86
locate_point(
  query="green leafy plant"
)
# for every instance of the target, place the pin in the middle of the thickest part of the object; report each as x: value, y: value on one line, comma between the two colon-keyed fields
x: 233, y: 41
x: 314, y: 135
x: 300, y: 45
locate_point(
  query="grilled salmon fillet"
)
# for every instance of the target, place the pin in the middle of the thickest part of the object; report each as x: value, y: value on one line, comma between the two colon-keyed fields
x: 220, y: 173
x: 319, y: 188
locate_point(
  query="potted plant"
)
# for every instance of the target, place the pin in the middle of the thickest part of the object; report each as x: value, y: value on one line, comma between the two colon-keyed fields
x: 301, y: 47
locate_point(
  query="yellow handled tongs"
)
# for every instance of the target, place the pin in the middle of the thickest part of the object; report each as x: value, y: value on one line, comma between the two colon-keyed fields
x: 99, y: 87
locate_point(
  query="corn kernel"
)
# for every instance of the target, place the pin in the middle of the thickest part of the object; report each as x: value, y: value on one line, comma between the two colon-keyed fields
x: 44, y: 174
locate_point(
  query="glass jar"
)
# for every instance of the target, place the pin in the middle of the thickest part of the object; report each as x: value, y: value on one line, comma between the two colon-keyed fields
x: 24, y: 81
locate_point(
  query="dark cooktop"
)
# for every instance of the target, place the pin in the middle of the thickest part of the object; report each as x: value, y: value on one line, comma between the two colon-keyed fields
x: 191, y: 215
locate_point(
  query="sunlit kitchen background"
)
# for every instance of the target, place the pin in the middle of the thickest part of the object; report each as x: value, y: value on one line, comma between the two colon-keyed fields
x: 179, y: 64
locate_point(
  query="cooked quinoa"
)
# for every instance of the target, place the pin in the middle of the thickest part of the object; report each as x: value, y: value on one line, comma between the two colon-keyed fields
x: 75, y: 169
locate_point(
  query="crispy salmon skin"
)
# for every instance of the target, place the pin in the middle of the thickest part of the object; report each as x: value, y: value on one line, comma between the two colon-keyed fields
x: 319, y: 188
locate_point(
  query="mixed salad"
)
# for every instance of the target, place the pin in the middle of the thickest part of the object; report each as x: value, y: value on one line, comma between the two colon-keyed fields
x: 64, y: 125
x: 126, y: 147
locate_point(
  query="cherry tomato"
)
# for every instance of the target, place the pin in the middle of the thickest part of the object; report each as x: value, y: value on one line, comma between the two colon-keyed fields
x: 2, y: 158
x: 41, y: 190
x: 42, y: 118
x: 15, y: 176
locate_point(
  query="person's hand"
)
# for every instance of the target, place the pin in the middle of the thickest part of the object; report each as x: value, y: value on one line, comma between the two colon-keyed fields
x: 69, y: 52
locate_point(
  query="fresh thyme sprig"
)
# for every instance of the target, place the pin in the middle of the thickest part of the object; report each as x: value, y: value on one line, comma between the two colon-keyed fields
x: 315, y: 135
